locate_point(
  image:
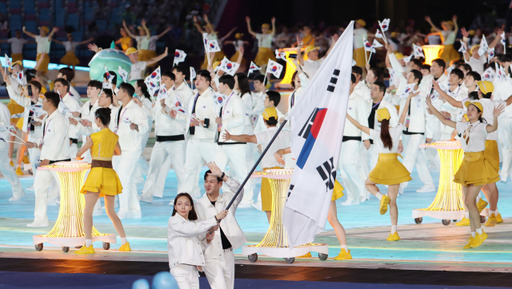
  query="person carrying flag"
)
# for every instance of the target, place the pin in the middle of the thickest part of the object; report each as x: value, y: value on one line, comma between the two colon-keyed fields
x: 209, y: 34
x: 388, y: 170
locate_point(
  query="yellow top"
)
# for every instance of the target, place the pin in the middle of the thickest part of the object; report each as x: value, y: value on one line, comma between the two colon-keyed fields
x: 104, y: 144
x: 126, y: 42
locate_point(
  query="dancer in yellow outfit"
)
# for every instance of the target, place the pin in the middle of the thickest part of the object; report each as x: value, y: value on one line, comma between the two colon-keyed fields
x: 264, y: 38
x: 102, y: 179
x: 388, y: 170
x: 474, y: 170
x: 449, y: 33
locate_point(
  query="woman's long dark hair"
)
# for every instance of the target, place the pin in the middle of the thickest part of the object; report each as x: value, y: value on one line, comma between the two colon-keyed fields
x: 384, y: 134
x: 243, y: 83
x: 144, y: 88
x: 192, y: 215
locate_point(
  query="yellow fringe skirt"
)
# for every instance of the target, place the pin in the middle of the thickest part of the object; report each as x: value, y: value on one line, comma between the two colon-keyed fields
x: 389, y: 171
x: 476, y: 170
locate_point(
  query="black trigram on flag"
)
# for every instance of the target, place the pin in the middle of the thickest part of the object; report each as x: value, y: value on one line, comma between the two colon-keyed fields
x: 334, y: 79
x: 327, y: 172
x: 306, y: 129
x: 290, y: 190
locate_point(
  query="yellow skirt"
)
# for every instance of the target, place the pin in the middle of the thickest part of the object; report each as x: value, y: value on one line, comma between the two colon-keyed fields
x: 492, y: 155
x: 44, y: 62
x: 104, y: 181
x: 145, y: 54
x: 337, y: 191
x: 14, y: 108
x: 359, y: 57
x: 389, y: 171
x: 70, y: 59
x: 16, y: 57
x: 19, y: 123
x: 218, y: 56
x: 264, y: 54
x: 475, y: 170
x: 449, y: 54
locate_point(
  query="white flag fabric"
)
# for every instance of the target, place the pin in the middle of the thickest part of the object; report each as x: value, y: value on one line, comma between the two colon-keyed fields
x: 376, y: 44
x: 218, y: 99
x: 407, y: 59
x: 123, y: 73
x: 490, y: 54
x: 8, y: 62
x: 319, y: 118
x: 108, y: 76
x: 192, y: 73
x: 280, y: 55
x: 418, y: 51
x: 483, y: 46
x: 253, y: 67
x: 162, y: 93
x: 179, y: 56
x: 212, y: 46
x: 462, y: 48
x: 378, y: 34
x: 153, y: 81
x: 21, y: 78
x: 274, y: 68
x: 368, y: 47
x: 501, y: 75
x: 228, y: 66
x: 384, y: 24
x: 489, y: 74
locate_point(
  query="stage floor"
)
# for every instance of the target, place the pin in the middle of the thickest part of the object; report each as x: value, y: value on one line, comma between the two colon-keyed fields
x: 423, y: 248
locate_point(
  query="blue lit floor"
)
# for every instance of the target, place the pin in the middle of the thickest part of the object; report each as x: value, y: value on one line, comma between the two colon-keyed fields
x: 429, y: 242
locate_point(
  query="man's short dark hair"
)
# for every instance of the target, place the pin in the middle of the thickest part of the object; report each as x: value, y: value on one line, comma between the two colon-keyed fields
x: 259, y: 78
x: 417, y: 75
x: 68, y: 73
x: 181, y: 68
x: 426, y: 66
x: 36, y: 84
x: 380, y: 84
x: 227, y: 79
x: 169, y: 74
x: 440, y: 62
x: 205, y: 74
x: 53, y: 98
x: 417, y: 62
x: 63, y: 82
x: 357, y: 70
x: 274, y: 96
x: 209, y: 172
x: 95, y: 84
x: 128, y: 88
x: 458, y: 72
x: 476, y: 76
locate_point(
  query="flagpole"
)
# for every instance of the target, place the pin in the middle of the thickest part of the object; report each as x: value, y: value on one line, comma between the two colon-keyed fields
x: 369, y: 58
x: 256, y: 164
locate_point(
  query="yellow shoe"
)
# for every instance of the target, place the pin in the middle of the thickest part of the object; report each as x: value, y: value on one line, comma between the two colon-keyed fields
x: 481, y: 205
x: 384, y: 202
x: 125, y: 247
x: 393, y: 237
x: 463, y: 222
x: 85, y: 250
x: 491, y: 221
x: 343, y: 255
x: 11, y: 163
x: 308, y: 255
x: 468, y: 245
x: 25, y: 159
x: 499, y: 219
x: 19, y: 172
x: 478, y: 240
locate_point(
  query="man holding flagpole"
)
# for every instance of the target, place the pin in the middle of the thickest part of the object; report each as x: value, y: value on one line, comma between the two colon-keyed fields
x: 316, y: 143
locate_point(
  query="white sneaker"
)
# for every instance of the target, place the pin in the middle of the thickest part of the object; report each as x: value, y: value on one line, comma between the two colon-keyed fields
x: 426, y: 189
x: 17, y: 198
x: 146, y: 198
x: 37, y: 224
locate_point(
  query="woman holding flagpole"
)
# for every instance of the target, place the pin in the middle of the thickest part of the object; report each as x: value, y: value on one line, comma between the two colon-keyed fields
x: 388, y: 170
x: 474, y: 171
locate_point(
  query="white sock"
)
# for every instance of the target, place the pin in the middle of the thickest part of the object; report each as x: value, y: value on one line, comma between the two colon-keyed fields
x: 344, y: 247
x: 379, y: 196
x: 466, y: 215
x: 479, y: 231
x: 492, y: 212
x: 473, y: 234
x: 393, y: 229
x: 88, y: 242
x: 123, y: 241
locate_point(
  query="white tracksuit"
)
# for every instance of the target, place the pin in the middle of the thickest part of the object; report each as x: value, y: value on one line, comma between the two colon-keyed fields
x: 131, y: 150
x: 72, y: 105
x: 502, y: 91
x: 5, y: 167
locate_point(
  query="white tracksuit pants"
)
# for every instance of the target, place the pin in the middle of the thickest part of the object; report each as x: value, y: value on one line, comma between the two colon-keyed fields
x: 220, y: 270
x: 125, y: 166
x: 164, y: 155
x: 9, y: 173
x: 186, y: 276
x: 236, y: 156
x: 413, y: 158
x: 43, y: 182
x: 505, y: 143
x: 350, y: 167
x: 198, y: 152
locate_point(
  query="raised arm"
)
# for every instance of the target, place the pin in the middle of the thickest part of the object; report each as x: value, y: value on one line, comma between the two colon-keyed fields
x: 363, y: 128
x: 249, y: 29
x: 497, y: 111
x: 465, y: 39
x: 28, y: 33
x: 241, y: 49
x: 455, y: 25
x: 85, y: 41
x: 143, y: 23
x: 498, y: 37
x: 300, y: 59
x: 273, y: 21
x: 406, y: 107
x: 427, y: 18
x: 50, y: 36
x: 198, y: 27
x: 437, y: 114
x: 334, y: 38
x: 452, y: 101
x: 221, y: 40
x: 155, y: 60
x: 169, y: 28
x: 128, y: 31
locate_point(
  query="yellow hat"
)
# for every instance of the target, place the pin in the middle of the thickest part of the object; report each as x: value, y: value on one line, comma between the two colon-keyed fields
x: 475, y: 103
x: 449, y: 22
x: 485, y: 86
x: 239, y: 35
x: 399, y: 55
x: 395, y: 34
x: 382, y: 114
x: 310, y: 48
x: 265, y: 25
x: 270, y: 112
x: 361, y: 22
x: 471, y: 32
x: 131, y: 50
x: 140, y: 27
x: 44, y: 28
x: 473, y: 49
x: 17, y: 62
x: 215, y: 64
